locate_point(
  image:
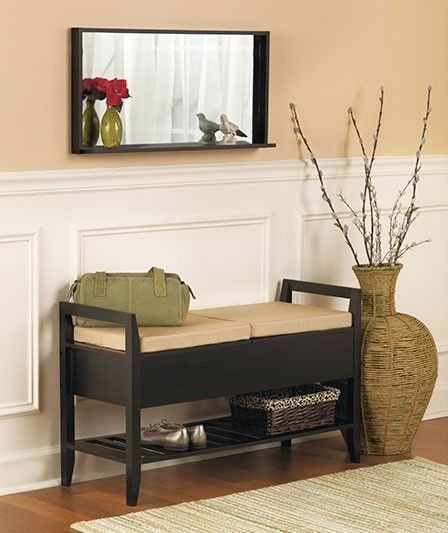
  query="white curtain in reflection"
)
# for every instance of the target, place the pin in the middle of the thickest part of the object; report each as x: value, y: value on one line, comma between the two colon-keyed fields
x: 173, y: 77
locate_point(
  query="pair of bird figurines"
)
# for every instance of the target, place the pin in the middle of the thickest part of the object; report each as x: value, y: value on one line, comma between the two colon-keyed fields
x: 209, y: 129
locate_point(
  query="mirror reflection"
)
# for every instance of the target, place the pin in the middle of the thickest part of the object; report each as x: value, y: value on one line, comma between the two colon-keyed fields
x: 141, y: 88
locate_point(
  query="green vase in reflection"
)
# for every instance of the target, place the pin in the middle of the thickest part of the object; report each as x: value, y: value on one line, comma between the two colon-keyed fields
x: 90, y: 125
x: 111, y: 128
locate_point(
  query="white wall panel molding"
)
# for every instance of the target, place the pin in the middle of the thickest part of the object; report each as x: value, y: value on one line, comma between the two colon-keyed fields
x: 260, y: 220
x: 22, y: 329
x: 316, y: 213
x: 19, y: 183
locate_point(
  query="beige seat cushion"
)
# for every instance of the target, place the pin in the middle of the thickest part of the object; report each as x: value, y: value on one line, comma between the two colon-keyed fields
x: 197, y: 330
x: 280, y: 318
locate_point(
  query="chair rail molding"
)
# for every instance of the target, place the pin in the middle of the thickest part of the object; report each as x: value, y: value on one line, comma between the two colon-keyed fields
x: 19, y: 183
x: 30, y: 404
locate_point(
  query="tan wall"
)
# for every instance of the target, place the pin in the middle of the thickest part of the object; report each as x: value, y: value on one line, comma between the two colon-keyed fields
x: 325, y: 55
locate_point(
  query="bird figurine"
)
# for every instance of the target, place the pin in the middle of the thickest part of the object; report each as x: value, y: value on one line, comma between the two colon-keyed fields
x: 208, y: 128
x: 229, y: 130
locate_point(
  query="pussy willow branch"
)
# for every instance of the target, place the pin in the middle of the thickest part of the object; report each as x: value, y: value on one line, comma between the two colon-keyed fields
x: 393, y: 232
x: 377, y: 249
x: 373, y: 235
x: 344, y: 229
x: 410, y: 246
x: 372, y: 240
x: 357, y: 222
x: 377, y: 260
x: 396, y: 211
x: 407, y: 218
x: 366, y: 236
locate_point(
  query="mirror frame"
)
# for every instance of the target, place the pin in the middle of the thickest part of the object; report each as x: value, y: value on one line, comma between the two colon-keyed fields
x: 259, y: 107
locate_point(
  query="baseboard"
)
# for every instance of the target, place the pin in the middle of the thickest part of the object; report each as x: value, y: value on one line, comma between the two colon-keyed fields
x: 438, y: 406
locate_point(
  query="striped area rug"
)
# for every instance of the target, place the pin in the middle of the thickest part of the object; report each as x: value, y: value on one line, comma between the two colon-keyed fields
x: 406, y: 496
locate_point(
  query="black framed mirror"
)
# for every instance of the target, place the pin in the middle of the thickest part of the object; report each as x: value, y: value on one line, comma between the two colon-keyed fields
x: 157, y: 90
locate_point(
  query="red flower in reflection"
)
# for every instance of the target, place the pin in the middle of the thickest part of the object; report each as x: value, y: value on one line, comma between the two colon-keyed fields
x: 115, y: 92
x: 99, y: 88
x: 101, y: 84
x: 87, y: 86
x: 94, y: 88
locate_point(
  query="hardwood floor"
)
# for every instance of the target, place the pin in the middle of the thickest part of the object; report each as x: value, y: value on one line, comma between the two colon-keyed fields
x: 53, y: 510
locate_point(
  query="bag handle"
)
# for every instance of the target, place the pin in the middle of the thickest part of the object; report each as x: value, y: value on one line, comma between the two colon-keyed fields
x: 159, y: 281
x: 100, y: 287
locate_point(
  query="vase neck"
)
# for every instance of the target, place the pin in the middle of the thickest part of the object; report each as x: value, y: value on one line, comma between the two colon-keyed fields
x: 378, y: 289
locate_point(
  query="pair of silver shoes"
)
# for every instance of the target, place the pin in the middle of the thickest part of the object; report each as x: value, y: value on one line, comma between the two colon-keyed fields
x: 174, y: 437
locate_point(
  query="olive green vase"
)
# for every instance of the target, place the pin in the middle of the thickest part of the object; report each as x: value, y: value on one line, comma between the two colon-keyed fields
x: 90, y: 125
x: 398, y: 365
x: 111, y: 128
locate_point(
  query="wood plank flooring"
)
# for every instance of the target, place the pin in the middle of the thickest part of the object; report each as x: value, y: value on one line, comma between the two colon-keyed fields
x: 53, y: 510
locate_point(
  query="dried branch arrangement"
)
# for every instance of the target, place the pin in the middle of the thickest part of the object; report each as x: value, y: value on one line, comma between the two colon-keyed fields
x: 367, y: 220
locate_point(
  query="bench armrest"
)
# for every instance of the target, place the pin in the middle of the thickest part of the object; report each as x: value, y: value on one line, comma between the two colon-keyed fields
x: 127, y: 320
x: 354, y: 295
x: 96, y: 313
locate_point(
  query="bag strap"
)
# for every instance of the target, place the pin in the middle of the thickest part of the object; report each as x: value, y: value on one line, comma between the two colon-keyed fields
x: 159, y: 281
x: 100, y: 288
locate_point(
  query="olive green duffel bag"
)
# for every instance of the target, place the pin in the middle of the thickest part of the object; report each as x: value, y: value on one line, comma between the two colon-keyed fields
x: 157, y: 298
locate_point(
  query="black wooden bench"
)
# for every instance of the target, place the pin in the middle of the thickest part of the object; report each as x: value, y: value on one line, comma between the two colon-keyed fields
x: 136, y: 381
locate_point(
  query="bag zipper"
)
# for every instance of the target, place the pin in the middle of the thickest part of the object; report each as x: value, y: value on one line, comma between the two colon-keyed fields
x: 189, y: 290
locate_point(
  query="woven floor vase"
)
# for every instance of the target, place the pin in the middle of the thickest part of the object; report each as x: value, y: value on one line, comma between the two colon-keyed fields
x: 398, y: 366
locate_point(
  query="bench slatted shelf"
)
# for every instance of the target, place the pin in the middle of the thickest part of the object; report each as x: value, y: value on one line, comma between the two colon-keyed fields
x: 221, y: 434
x: 136, y: 381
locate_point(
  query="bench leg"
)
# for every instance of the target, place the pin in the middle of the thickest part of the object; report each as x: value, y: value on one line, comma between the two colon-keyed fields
x: 67, y: 435
x: 349, y: 406
x: 133, y: 461
x: 133, y: 476
x: 352, y: 440
x: 67, y: 413
x: 286, y: 443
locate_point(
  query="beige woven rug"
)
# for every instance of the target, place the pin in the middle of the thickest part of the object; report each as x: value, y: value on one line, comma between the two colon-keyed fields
x: 405, y: 496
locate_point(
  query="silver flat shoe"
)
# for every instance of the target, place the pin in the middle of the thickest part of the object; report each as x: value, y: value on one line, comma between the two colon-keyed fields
x: 174, y: 441
x: 196, y: 433
x: 198, y: 436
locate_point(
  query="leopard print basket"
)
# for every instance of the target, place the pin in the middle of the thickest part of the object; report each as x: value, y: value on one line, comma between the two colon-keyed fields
x: 287, y: 410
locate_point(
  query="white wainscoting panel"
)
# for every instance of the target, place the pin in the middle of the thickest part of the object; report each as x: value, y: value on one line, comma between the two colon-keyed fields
x: 235, y: 248
x: 19, y: 306
x: 230, y: 230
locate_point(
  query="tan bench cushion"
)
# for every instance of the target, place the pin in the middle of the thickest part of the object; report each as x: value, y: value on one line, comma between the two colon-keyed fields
x: 280, y: 318
x: 197, y: 330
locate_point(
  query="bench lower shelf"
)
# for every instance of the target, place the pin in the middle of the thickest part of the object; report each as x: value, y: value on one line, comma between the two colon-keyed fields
x: 222, y: 434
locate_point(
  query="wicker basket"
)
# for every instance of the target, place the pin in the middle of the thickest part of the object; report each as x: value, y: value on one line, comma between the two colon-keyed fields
x: 274, y: 412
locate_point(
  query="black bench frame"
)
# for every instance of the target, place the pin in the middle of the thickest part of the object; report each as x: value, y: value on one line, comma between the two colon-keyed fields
x: 137, y: 380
